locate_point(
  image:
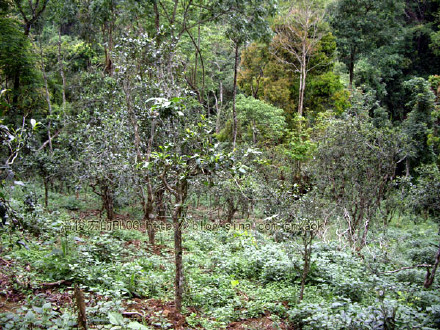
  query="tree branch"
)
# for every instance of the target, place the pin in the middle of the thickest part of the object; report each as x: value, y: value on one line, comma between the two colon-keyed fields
x: 406, y: 268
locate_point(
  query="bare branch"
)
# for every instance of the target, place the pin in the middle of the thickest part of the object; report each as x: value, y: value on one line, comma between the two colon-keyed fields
x: 167, y: 186
x: 406, y: 268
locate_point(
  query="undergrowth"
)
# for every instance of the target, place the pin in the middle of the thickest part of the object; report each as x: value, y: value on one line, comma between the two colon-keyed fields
x: 229, y: 276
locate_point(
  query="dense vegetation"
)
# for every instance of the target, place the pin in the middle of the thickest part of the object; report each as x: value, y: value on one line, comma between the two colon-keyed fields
x: 195, y: 164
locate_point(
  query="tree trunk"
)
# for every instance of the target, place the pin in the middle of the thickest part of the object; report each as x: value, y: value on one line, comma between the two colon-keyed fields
x: 178, y: 250
x: 16, y: 88
x: 107, y: 201
x: 151, y: 234
x: 300, y: 96
x: 147, y: 206
x: 61, y: 64
x: 49, y: 103
x: 218, y: 107
x: 234, y: 96
x: 351, y: 70
x: 81, y: 306
x: 202, y: 91
x: 302, y: 83
x: 46, y: 192
x: 156, y: 21
x: 108, y: 62
x: 108, y: 49
x: 231, y: 209
x: 307, y: 241
x: 160, y: 207
x: 430, y: 276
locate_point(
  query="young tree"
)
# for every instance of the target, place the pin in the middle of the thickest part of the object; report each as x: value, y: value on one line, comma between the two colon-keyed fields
x: 353, y: 166
x: 189, y: 154
x: 102, y: 146
x: 254, y: 60
x: 424, y: 198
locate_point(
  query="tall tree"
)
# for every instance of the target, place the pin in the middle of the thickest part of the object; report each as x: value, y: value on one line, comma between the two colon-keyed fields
x: 254, y: 60
x: 362, y: 26
x: 30, y: 13
x: 17, y: 65
x: 248, y: 21
x: 298, y: 34
x: 418, y: 123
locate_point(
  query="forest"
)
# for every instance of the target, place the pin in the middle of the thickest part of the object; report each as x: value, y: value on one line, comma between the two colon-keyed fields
x: 219, y: 164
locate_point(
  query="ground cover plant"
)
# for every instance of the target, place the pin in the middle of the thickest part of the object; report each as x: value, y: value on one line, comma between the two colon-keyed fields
x: 234, y: 278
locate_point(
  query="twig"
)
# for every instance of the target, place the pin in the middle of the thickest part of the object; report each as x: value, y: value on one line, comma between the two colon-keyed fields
x: 54, y: 284
x: 129, y: 314
x: 48, y: 141
x: 405, y: 268
x: 5, y: 261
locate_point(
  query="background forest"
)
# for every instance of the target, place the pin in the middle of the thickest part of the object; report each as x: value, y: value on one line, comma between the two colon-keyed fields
x: 195, y: 164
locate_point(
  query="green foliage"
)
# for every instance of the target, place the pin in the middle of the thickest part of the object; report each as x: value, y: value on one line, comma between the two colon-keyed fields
x: 40, y: 316
x: 419, y: 121
x: 300, y: 145
x: 254, y: 60
x: 326, y: 93
x: 263, y: 76
x: 232, y: 275
x: 259, y: 121
x: 249, y: 20
x: 423, y: 195
x: 354, y: 163
x: 379, y: 71
x: 361, y: 27
x: 16, y: 50
x: 17, y: 60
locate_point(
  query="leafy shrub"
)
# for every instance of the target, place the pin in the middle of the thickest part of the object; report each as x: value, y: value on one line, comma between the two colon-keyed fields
x: 341, y: 271
x: 43, y: 316
x: 421, y: 254
x: 346, y: 315
x: 415, y: 276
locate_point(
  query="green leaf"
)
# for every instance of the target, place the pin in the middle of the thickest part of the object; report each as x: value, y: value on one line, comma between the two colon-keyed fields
x: 47, y: 306
x: 176, y: 99
x: 29, y: 316
x: 115, y: 318
x: 136, y: 326
x: 38, y: 310
x: 234, y: 283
